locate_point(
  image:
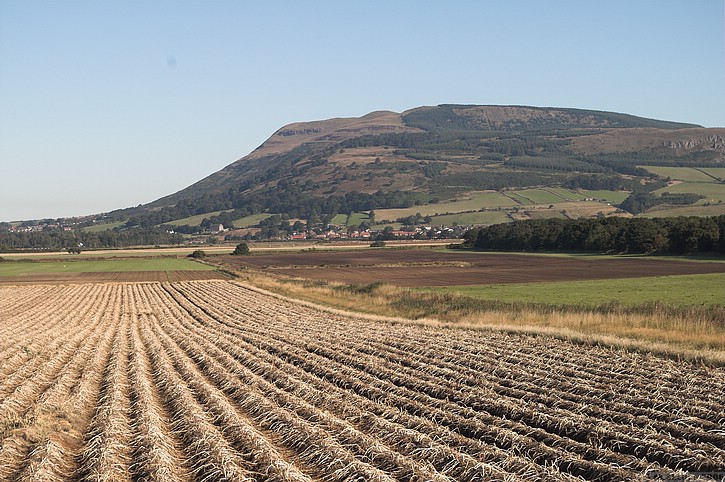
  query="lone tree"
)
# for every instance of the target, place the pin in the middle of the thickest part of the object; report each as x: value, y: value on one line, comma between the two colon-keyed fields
x: 197, y: 254
x: 241, y: 249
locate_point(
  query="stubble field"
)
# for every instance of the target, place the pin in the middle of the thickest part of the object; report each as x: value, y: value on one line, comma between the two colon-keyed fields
x: 216, y: 380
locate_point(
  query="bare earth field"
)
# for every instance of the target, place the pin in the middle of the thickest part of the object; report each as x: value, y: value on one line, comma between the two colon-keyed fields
x: 434, y: 268
x: 218, y: 381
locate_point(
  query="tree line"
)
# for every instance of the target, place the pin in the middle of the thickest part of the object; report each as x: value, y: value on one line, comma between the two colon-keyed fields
x: 678, y: 235
x: 56, y: 239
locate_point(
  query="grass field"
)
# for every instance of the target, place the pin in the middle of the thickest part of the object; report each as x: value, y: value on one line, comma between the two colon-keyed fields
x: 687, y: 174
x: 101, y: 266
x: 192, y: 220
x: 707, y: 289
x: 718, y: 172
x: 614, y: 197
x: 568, y: 195
x: 251, y: 220
x: 693, y: 210
x: 103, y: 227
x: 357, y: 218
x: 339, y: 220
x: 538, y: 196
x: 486, y: 217
x: 713, y: 192
x: 472, y: 202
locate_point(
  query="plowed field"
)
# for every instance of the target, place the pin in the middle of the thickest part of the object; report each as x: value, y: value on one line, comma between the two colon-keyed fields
x: 214, y: 380
x: 432, y: 268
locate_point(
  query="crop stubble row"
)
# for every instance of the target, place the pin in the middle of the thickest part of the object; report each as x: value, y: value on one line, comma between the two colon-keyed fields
x: 214, y: 380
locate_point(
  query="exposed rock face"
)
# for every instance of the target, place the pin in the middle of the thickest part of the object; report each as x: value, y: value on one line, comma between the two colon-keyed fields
x: 712, y: 142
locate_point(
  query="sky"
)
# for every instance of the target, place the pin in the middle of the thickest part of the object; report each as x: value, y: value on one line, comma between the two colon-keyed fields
x: 111, y: 104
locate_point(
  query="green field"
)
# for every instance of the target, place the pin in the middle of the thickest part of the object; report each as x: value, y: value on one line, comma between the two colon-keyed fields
x: 193, y: 220
x: 713, y: 192
x: 614, y: 197
x: 101, y: 266
x: 486, y: 217
x: 357, y: 218
x: 537, y: 196
x: 251, y: 220
x: 103, y: 227
x: 689, y: 174
x: 694, y: 210
x: 568, y: 195
x: 339, y: 220
x: 708, y: 289
x: 517, y: 198
x: 472, y: 202
x: 718, y: 172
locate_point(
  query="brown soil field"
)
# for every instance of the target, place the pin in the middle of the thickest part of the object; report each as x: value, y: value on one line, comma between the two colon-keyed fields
x: 217, y: 381
x: 112, y: 277
x: 433, y: 268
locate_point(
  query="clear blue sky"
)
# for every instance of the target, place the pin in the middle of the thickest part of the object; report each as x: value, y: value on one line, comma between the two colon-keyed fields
x: 110, y: 104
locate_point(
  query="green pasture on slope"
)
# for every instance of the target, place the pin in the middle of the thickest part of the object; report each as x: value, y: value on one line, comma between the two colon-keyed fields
x: 101, y: 266
x: 614, y: 197
x: 103, y: 227
x: 471, y: 202
x: 713, y: 192
x: 193, y: 220
x: 538, y: 196
x: 688, y: 210
x: 717, y: 172
x: 357, y: 219
x: 705, y: 289
x: 485, y: 217
x: 566, y: 194
x: 339, y: 220
x: 689, y: 174
x: 251, y: 220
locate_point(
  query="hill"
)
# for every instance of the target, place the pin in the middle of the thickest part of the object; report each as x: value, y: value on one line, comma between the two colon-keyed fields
x: 460, y: 164
x: 416, y: 146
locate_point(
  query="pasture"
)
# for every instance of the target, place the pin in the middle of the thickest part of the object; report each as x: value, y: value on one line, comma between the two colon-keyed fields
x: 133, y: 269
x: 702, y: 289
x: 713, y: 192
x: 688, y: 174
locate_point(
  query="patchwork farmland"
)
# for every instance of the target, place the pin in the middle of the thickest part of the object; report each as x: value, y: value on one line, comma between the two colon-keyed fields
x: 216, y: 380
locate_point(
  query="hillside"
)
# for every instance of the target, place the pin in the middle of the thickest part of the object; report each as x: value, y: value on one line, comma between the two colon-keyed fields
x: 450, y: 165
x: 415, y: 147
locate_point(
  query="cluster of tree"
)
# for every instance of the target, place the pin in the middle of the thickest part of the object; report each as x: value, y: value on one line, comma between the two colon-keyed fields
x: 497, y: 180
x: 595, y: 182
x: 453, y: 117
x: 57, y: 239
x: 289, y: 198
x: 680, y: 235
x: 414, y: 220
x: 554, y: 164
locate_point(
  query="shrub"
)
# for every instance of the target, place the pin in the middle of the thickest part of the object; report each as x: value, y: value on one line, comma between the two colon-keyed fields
x: 198, y: 254
x: 241, y: 249
x: 377, y: 244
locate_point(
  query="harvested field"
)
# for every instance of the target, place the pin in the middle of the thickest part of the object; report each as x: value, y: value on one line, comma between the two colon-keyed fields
x: 215, y: 380
x: 433, y: 268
